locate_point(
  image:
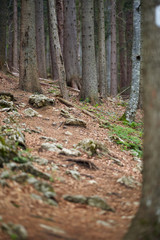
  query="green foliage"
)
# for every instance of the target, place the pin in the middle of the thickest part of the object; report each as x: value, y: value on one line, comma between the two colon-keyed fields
x: 127, y: 137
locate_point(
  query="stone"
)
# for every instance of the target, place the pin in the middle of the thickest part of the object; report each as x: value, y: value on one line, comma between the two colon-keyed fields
x: 1, y: 218
x: 40, y: 100
x: 75, y: 122
x: 20, y: 178
x: 128, y: 181
x: 37, y: 197
x: 103, y: 223
x: 96, y: 201
x: 92, y: 147
x: 5, y: 175
x: 76, y: 199
x: 68, y: 133
x: 29, y: 112
x: 53, y: 147
x: 55, y: 230
x: 66, y: 114
x: 70, y: 152
x: 75, y: 174
x: 17, y: 230
x: 41, y: 161
x: 6, y: 104
x: 3, y: 183
x: 48, y: 139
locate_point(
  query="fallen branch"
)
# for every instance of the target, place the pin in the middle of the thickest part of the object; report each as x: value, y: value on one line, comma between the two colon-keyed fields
x: 83, y: 163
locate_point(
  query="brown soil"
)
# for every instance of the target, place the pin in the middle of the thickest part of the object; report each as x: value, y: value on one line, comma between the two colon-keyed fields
x: 77, y: 220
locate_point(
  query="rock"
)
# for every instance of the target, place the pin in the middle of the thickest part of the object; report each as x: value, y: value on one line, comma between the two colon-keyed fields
x: 96, y: 201
x: 52, y: 202
x: 3, y: 183
x: 92, y: 147
x: 92, y: 182
x: 75, y: 122
x: 29, y: 112
x: 40, y: 100
x: 16, y: 230
x: 128, y: 181
x: 49, y: 139
x: 1, y: 218
x: 103, y: 223
x: 5, y: 174
x: 76, y: 199
x: 41, y: 161
x: 68, y: 133
x: 75, y: 174
x: 51, y: 147
x: 20, y: 178
x: 37, y: 197
x: 70, y: 152
x: 6, y: 104
x: 55, y: 230
x: 66, y: 114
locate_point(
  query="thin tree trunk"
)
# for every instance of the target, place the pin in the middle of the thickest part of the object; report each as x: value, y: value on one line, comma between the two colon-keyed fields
x: 113, y: 50
x: 28, y: 80
x: 101, y: 50
x: 15, y: 37
x: 57, y: 49
x: 134, y: 96
x: 3, y: 24
x: 60, y: 21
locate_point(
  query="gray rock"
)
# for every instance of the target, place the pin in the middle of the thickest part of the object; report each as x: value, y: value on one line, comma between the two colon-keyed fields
x: 75, y: 122
x: 68, y: 133
x: 103, y: 223
x: 75, y: 174
x: 37, y: 197
x: 55, y: 230
x: 52, y: 202
x: 92, y: 147
x: 70, y: 152
x: 76, y: 199
x: 40, y: 100
x: 29, y: 112
x: 16, y: 230
x: 49, y: 139
x: 3, y: 183
x: 5, y: 174
x: 41, y: 161
x: 66, y: 114
x: 128, y: 181
x: 96, y: 201
x: 53, y: 147
x: 6, y: 104
x: 20, y: 178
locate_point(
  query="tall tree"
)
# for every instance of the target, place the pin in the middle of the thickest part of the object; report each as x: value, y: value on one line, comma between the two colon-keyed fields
x: 134, y: 96
x: 3, y: 24
x: 40, y: 39
x: 146, y: 224
x: 89, y: 88
x: 60, y: 21
x: 57, y: 48
x: 15, y: 37
x: 101, y: 50
x: 28, y: 80
x: 113, y: 50
x: 70, y: 48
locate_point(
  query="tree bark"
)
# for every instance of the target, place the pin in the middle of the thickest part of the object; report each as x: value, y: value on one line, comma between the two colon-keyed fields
x: 40, y: 39
x: 28, y: 80
x: 57, y: 49
x: 3, y: 24
x: 60, y: 21
x: 101, y: 50
x: 134, y: 96
x: 113, y: 50
x: 89, y: 88
x: 146, y: 224
x: 15, y: 37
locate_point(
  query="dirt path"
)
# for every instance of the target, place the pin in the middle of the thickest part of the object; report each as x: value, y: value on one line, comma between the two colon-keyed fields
x: 72, y: 221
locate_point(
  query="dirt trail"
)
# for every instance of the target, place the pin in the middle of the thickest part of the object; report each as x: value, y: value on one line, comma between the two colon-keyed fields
x: 73, y: 221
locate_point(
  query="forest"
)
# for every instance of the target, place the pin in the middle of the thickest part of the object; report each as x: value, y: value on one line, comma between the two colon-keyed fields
x: 79, y: 119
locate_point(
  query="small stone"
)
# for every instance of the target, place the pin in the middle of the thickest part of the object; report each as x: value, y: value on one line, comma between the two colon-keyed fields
x: 5, y: 174
x: 128, y: 181
x: 103, y: 223
x: 16, y: 230
x: 3, y: 183
x: 76, y: 199
x: 51, y: 147
x: 68, y: 133
x: 96, y: 201
x: 92, y: 182
x: 35, y: 196
x: 40, y: 100
x: 41, y: 161
x: 75, y: 174
x: 20, y: 178
x: 70, y: 152
x: 55, y: 230
x: 29, y: 112
x: 75, y: 122
x: 49, y: 139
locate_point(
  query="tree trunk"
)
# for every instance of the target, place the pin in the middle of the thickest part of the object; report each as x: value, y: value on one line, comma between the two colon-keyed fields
x: 15, y: 37
x: 101, y: 50
x: 129, y: 39
x: 70, y: 44
x: 146, y: 224
x: 3, y: 24
x: 122, y: 46
x: 57, y: 49
x: 113, y: 50
x: 134, y: 96
x: 60, y: 21
x: 28, y: 80
x: 89, y: 89
x: 10, y: 37
x: 40, y: 39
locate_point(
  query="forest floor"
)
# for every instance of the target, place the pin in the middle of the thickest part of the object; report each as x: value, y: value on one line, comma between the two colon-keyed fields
x: 68, y: 220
